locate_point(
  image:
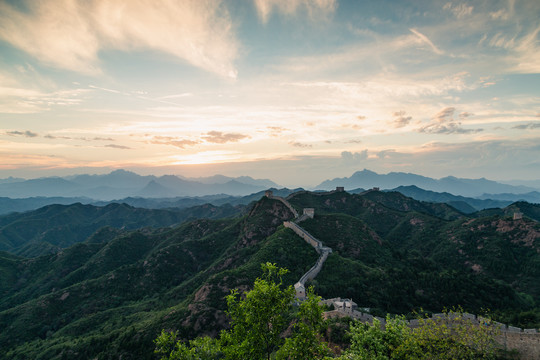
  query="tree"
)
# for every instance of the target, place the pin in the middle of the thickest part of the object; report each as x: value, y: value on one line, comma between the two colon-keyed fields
x: 306, y: 341
x: 258, y: 323
x: 393, y: 341
x: 451, y: 336
x: 201, y: 348
x: 258, y: 320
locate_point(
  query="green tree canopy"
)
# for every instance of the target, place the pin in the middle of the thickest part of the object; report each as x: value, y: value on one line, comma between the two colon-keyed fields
x: 258, y: 322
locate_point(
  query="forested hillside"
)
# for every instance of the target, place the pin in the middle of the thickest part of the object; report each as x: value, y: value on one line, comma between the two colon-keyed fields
x: 55, y: 227
x: 111, y: 294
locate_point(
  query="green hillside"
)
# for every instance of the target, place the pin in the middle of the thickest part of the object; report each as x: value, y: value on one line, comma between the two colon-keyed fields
x: 54, y: 227
x: 111, y: 294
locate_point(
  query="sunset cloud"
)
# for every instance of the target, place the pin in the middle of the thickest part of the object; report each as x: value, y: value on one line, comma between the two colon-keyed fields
x: 217, y: 137
x: 400, y: 119
x: 326, y: 84
x: 173, y: 141
x: 444, y: 123
x: 299, y: 144
x: 199, y: 32
x: 115, y: 146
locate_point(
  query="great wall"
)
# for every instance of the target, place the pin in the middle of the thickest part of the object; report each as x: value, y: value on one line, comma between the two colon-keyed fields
x: 525, y: 341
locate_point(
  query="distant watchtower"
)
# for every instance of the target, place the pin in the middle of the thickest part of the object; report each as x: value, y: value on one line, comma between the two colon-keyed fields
x: 518, y: 215
x: 340, y: 189
x: 309, y: 212
x: 268, y: 193
x: 300, y: 291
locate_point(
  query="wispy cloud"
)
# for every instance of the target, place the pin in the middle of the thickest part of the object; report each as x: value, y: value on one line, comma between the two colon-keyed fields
x: 115, y: 146
x: 314, y: 8
x: 531, y: 125
x: 197, y: 31
x: 444, y: 123
x: 459, y: 10
x: 426, y: 40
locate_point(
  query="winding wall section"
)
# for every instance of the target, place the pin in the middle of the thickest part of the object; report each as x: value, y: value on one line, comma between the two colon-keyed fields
x: 323, y: 251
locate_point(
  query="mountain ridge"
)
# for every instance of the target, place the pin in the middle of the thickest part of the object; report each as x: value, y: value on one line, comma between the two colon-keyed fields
x: 465, y: 187
x: 122, y: 183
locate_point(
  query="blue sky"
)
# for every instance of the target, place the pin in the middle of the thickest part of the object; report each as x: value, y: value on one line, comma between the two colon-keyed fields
x: 297, y: 91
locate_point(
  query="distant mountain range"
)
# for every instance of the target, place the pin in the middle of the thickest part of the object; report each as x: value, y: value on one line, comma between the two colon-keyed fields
x: 464, y: 204
x: 466, y: 195
x: 465, y: 187
x: 120, y: 184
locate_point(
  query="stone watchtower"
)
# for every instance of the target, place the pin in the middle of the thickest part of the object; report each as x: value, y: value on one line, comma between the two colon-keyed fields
x: 340, y: 189
x: 300, y: 291
x: 268, y: 193
x: 309, y: 212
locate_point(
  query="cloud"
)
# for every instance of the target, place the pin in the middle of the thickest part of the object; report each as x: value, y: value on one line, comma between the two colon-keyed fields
x: 465, y: 115
x: 315, y: 8
x: 445, y: 114
x: 115, y: 146
x: 531, y: 125
x: 443, y: 123
x: 218, y: 137
x: 522, y: 50
x: 348, y: 156
x: 385, y: 154
x: 400, y: 120
x: 23, y: 90
x: 103, y: 139
x: 459, y: 10
x: 501, y: 14
x: 450, y: 128
x: 173, y: 141
x: 300, y: 145
x: 197, y: 31
x: 27, y: 133
x: 276, y: 131
x: 52, y: 137
x: 425, y: 40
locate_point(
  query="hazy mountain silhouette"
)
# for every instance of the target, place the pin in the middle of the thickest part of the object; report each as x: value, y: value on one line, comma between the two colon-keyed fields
x: 457, y: 186
x: 121, y: 183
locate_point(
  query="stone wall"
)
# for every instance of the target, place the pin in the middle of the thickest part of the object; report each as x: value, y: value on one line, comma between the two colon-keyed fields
x: 527, y: 344
x: 285, y: 202
x: 303, y: 234
x: 525, y: 341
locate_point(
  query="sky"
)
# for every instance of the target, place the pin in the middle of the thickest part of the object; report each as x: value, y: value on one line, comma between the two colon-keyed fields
x: 297, y: 91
